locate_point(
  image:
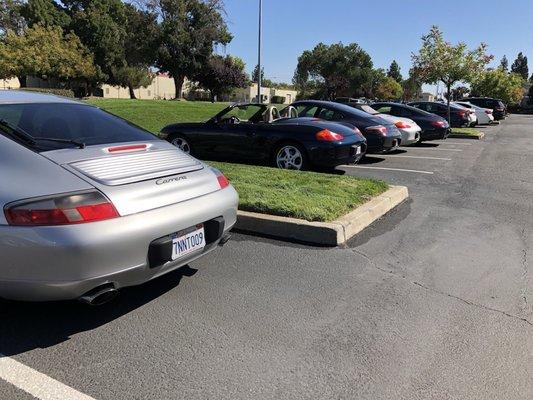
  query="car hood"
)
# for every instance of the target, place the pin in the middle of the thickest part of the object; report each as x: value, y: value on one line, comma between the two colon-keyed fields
x: 139, y: 180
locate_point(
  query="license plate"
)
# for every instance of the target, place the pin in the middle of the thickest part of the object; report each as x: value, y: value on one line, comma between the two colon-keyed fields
x: 188, y: 243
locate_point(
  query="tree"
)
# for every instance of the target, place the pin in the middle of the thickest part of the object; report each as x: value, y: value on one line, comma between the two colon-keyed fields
x: 45, y: 52
x: 255, y: 74
x: 189, y: 30
x: 389, y: 89
x: 504, y: 63
x: 11, y: 19
x: 221, y: 75
x: 394, y: 72
x: 458, y: 93
x: 500, y: 85
x: 412, y: 87
x: 520, y: 67
x: 102, y: 27
x: 140, y: 47
x: 46, y: 13
x: 440, y: 61
x: 336, y: 69
x: 369, y: 88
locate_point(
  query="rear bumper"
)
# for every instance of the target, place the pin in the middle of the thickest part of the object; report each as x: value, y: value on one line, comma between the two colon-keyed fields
x: 333, y: 155
x: 410, y: 136
x: 59, y: 263
x: 434, y: 134
x: 383, y: 144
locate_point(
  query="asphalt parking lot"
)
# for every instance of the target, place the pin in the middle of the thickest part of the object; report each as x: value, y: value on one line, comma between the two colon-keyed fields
x: 435, y: 300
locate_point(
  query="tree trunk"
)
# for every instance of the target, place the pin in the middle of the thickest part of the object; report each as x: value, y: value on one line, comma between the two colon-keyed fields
x: 178, y: 85
x: 23, y: 81
x: 132, y: 92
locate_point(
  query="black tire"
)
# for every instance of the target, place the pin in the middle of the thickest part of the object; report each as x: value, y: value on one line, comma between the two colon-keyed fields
x: 181, y: 142
x: 294, y: 156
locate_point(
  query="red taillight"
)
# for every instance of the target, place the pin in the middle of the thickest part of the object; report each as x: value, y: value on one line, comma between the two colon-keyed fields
x: 223, y: 182
x: 439, y: 124
x: 402, y: 125
x: 379, y: 129
x: 488, y: 112
x: 461, y: 113
x: 75, y: 208
x: 127, y: 148
x: 326, y: 135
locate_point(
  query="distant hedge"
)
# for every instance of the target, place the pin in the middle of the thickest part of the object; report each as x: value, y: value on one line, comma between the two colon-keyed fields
x: 58, y: 92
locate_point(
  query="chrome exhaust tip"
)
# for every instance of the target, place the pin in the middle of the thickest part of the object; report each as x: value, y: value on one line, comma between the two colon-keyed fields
x: 99, y: 295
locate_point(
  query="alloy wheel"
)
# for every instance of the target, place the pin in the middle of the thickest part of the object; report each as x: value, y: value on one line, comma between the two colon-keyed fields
x: 289, y: 157
x: 182, y: 144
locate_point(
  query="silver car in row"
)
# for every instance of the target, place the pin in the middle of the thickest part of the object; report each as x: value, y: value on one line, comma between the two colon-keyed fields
x: 92, y: 203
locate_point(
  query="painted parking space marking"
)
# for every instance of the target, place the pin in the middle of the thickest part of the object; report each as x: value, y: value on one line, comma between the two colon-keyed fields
x: 433, y: 149
x: 36, y: 383
x: 458, y: 143
x: 388, y: 169
x: 417, y: 157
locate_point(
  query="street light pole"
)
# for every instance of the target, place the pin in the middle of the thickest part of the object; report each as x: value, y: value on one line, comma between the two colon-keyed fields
x: 259, y: 52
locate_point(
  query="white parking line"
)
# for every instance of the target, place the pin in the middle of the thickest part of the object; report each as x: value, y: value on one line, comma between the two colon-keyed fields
x: 432, y: 149
x: 420, y: 157
x: 35, y: 383
x: 388, y: 169
x: 454, y: 143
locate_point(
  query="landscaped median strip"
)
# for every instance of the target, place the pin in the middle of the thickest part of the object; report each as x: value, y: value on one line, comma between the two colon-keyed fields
x: 318, y: 208
x: 332, y: 233
x: 467, y: 133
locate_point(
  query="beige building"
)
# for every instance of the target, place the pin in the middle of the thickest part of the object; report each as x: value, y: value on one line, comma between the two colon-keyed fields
x: 426, y: 97
x: 12, y: 83
x: 162, y: 87
x: 249, y: 94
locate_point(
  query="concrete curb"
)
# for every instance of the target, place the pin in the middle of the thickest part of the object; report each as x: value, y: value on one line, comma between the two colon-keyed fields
x: 323, y: 233
x: 459, y: 136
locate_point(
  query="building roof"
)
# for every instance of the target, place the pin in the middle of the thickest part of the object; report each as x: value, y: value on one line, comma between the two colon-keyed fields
x: 21, y: 96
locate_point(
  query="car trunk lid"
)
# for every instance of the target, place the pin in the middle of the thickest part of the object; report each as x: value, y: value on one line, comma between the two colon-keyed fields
x: 137, y: 179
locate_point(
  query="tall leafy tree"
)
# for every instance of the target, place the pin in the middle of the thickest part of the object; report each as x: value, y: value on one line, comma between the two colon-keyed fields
x: 45, y: 52
x: 334, y: 69
x: 140, y: 45
x: 389, y: 89
x: 440, y: 61
x: 11, y: 19
x: 255, y: 74
x: 412, y: 87
x: 394, y: 72
x: 504, y: 63
x: 509, y: 87
x: 220, y: 75
x: 520, y: 67
x: 189, y: 30
x: 45, y: 12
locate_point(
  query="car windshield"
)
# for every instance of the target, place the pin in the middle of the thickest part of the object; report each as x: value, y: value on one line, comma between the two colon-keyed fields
x: 60, y: 124
x: 246, y: 113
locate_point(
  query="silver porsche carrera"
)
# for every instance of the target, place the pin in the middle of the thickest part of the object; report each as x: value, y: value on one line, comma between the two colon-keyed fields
x: 92, y: 203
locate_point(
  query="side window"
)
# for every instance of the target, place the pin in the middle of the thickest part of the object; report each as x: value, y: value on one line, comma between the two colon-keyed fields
x: 401, y: 112
x: 330, y: 115
x: 306, y: 110
x: 384, y: 110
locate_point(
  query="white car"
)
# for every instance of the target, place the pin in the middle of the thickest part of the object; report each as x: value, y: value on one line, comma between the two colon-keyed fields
x: 409, y: 129
x: 484, y: 115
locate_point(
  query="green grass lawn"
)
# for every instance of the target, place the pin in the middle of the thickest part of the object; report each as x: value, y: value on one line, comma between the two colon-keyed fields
x: 306, y: 195
x: 466, y: 131
x: 155, y: 114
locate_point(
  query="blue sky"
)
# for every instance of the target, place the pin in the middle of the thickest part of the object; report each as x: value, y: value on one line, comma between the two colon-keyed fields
x: 386, y: 29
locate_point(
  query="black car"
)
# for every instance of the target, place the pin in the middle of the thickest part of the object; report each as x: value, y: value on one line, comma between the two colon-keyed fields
x: 256, y: 133
x: 381, y: 135
x: 499, y: 110
x: 459, y: 115
x: 433, y: 126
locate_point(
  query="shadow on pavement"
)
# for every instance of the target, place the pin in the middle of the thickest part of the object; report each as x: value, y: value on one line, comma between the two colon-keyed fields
x: 27, y: 326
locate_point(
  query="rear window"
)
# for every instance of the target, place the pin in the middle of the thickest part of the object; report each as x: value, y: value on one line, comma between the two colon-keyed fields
x: 78, y: 122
